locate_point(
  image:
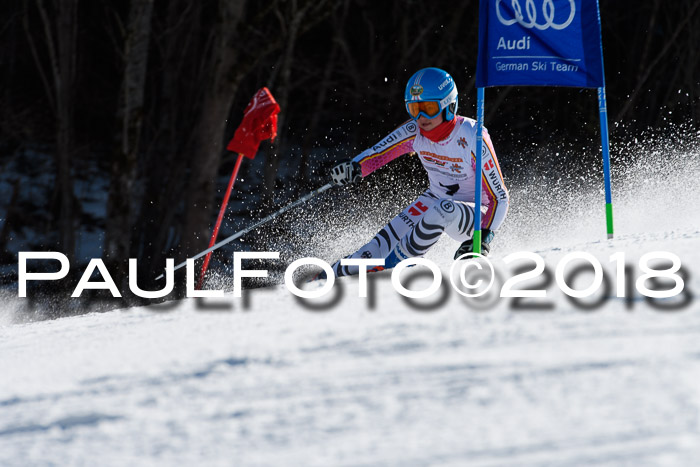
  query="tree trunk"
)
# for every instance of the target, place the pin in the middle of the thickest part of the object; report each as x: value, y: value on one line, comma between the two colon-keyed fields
x: 295, y: 18
x: 670, y: 41
x: 122, y: 190
x: 61, y: 47
x: 207, y: 142
x: 165, y: 161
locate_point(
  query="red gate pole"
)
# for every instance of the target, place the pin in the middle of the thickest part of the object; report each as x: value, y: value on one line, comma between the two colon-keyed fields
x: 219, y: 219
x: 259, y: 123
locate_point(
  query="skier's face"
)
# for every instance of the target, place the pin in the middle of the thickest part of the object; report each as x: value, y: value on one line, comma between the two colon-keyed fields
x: 428, y: 124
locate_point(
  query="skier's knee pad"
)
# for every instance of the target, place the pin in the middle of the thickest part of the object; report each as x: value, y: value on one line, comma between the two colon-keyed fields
x: 455, y: 218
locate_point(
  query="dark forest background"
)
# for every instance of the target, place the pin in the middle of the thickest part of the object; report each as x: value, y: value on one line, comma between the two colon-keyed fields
x: 144, y: 94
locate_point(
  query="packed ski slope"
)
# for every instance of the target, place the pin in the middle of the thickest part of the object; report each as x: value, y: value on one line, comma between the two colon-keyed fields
x: 270, y: 380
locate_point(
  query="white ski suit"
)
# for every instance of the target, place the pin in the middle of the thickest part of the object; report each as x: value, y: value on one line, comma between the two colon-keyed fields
x: 448, y: 204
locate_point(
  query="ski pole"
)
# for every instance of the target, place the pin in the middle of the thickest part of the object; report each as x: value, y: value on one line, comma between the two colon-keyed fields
x: 254, y: 226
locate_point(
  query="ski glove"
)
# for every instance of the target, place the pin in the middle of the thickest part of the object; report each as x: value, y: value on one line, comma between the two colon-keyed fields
x: 468, y: 246
x: 346, y: 172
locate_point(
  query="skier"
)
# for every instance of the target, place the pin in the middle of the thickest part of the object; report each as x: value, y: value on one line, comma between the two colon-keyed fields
x: 445, y: 143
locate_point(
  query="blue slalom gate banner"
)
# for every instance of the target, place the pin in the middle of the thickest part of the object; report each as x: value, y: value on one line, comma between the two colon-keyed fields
x: 540, y: 43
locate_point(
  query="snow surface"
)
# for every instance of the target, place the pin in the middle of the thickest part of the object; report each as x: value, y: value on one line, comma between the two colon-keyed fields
x: 270, y: 380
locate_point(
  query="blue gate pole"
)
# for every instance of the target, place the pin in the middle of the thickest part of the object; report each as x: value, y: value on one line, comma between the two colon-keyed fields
x: 605, y: 142
x: 476, y: 240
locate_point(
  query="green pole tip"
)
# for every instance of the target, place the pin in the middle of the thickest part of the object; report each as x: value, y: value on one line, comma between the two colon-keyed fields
x: 476, y: 241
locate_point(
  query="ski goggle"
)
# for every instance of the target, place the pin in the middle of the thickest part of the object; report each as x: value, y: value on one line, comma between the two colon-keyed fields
x: 429, y: 109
